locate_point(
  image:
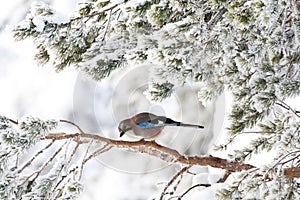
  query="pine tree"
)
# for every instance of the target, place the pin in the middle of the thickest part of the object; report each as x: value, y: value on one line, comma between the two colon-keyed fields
x: 248, y: 48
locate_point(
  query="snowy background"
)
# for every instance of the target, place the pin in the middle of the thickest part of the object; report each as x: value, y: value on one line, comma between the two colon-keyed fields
x: 97, y: 107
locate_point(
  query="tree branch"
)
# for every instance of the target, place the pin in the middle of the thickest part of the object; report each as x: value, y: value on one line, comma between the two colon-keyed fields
x: 162, y: 152
x: 194, y: 186
x: 101, y: 11
x: 35, y: 156
x: 293, y: 172
x: 154, y: 149
x: 224, y: 178
x: 287, y: 107
x: 72, y: 123
x: 178, y: 174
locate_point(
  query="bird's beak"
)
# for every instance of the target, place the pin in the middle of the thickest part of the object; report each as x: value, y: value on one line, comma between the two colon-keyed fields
x: 122, y: 133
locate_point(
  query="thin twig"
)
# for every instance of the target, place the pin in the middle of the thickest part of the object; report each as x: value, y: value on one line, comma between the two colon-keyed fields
x: 35, y: 156
x: 103, y: 149
x: 194, y: 186
x: 13, y: 121
x: 62, y: 179
x: 221, y: 180
x: 103, y: 10
x: 37, y: 173
x: 224, y: 178
x: 73, y: 153
x: 72, y: 123
x: 257, y: 132
x: 192, y: 173
x: 279, y: 161
x: 176, y: 184
x: 50, y: 159
x: 107, y: 25
x: 232, y: 138
x: 68, y: 162
x: 174, y: 179
x: 287, y: 107
x: 60, y: 190
x: 82, y: 165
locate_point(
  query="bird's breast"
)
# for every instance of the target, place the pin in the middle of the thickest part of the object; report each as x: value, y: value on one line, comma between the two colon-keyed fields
x: 148, y: 133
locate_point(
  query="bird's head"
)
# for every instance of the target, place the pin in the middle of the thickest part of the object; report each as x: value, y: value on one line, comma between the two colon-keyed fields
x: 124, y: 126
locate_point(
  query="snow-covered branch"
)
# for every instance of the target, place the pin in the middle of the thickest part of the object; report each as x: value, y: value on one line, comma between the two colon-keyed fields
x: 293, y: 172
x: 67, y: 171
x: 152, y: 148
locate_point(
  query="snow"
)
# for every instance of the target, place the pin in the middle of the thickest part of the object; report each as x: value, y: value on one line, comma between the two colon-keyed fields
x: 206, y: 175
x: 40, y: 20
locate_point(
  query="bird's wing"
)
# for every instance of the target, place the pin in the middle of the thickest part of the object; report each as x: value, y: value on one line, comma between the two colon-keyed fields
x: 144, y: 117
x: 147, y: 118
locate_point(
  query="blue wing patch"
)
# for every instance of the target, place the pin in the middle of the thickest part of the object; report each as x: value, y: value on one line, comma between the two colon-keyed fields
x: 146, y: 125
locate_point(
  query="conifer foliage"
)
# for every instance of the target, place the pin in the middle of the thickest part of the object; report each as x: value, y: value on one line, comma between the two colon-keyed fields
x: 249, y: 48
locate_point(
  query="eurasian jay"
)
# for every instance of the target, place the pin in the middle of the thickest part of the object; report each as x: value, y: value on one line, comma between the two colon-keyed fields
x: 147, y: 125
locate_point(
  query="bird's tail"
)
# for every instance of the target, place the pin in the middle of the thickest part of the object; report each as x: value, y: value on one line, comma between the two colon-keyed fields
x: 189, y: 125
x: 171, y: 122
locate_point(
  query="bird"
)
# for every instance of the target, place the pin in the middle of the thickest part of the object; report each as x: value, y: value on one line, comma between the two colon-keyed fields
x: 148, y: 125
